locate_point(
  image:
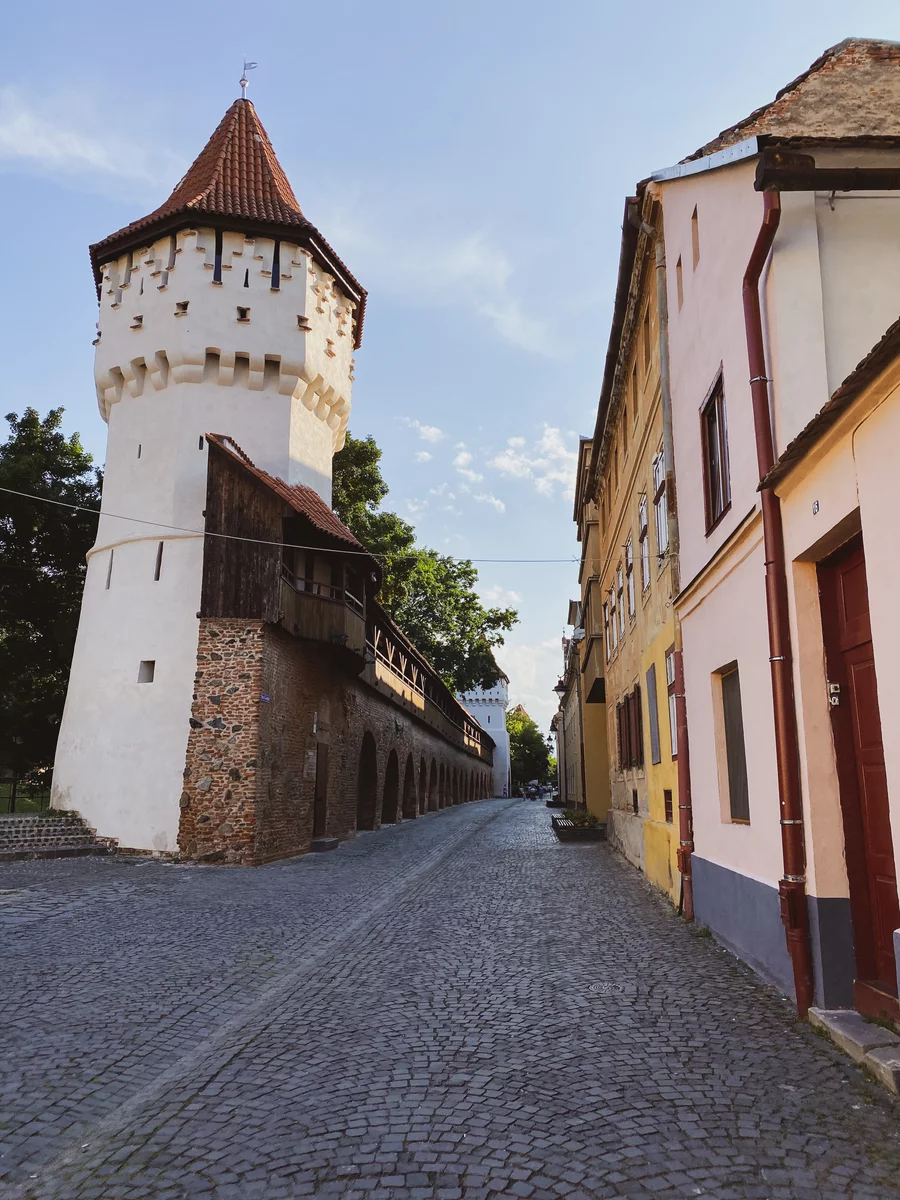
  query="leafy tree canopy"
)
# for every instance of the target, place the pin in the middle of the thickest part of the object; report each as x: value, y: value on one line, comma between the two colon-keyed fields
x: 529, y: 752
x: 430, y: 596
x: 42, y: 568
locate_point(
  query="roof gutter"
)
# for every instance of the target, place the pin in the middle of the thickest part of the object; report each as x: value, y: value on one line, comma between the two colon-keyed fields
x: 627, y: 253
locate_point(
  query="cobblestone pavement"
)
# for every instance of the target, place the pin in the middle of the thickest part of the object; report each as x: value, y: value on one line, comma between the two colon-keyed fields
x: 455, y: 1007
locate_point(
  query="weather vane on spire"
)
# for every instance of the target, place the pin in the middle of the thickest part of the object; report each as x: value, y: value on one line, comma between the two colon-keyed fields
x: 244, y: 81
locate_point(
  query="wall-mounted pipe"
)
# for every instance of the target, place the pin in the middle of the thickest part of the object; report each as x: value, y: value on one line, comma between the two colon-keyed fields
x: 792, y: 889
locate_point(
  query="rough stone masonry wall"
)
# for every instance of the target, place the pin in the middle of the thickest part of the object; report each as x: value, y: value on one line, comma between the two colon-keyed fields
x: 218, y: 811
x: 263, y: 703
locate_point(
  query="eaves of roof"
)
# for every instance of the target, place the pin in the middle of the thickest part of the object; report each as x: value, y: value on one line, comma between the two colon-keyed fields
x: 302, y: 499
x: 627, y: 253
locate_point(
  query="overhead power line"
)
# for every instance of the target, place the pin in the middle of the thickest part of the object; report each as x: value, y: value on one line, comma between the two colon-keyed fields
x: 233, y: 537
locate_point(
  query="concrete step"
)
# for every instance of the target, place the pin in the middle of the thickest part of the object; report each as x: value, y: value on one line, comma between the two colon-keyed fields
x: 321, y: 844
x: 873, y: 1046
x: 49, y: 835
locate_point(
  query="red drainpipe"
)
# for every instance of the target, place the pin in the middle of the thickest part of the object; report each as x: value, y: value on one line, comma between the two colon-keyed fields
x: 792, y: 888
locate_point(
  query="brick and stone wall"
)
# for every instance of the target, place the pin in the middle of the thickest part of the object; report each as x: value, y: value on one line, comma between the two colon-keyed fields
x: 263, y: 702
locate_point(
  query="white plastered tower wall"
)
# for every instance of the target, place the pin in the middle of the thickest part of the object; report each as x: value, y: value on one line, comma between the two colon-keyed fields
x: 181, y: 354
x: 488, y: 706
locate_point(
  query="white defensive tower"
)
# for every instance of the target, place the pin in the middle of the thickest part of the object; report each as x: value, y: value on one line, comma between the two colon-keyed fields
x: 488, y: 706
x: 223, y: 311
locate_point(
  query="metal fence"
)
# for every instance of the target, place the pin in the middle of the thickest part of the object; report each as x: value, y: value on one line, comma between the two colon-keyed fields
x: 18, y: 796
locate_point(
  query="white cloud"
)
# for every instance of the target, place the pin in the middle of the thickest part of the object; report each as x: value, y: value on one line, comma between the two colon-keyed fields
x: 489, y: 498
x: 461, y: 462
x: 428, y: 433
x: 533, y: 669
x: 465, y: 270
x: 548, y: 464
x: 423, y: 456
x: 414, y: 507
x: 442, y: 489
x: 499, y: 596
x: 47, y: 139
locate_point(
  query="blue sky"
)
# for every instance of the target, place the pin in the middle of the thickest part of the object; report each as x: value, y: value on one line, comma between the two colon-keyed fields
x: 469, y: 161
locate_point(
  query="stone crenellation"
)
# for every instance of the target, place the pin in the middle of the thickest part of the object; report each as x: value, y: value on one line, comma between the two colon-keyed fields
x: 171, y: 313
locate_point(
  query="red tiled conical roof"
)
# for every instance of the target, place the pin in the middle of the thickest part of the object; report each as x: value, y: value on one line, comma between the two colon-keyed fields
x: 236, y: 181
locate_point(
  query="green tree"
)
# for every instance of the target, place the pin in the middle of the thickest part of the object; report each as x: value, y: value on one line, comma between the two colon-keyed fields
x: 529, y: 752
x: 42, y: 568
x: 431, y: 597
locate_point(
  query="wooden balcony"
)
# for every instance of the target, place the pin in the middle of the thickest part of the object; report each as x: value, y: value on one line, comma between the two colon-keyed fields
x: 320, y: 613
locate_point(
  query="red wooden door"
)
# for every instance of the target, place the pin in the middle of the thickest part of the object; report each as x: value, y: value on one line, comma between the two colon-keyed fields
x: 856, y: 725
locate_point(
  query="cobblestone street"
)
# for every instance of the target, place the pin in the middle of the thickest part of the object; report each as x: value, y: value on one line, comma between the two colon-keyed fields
x: 454, y: 1007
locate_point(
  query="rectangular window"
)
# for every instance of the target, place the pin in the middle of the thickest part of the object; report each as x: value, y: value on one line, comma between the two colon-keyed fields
x: 614, y: 455
x: 653, y: 714
x: 645, y: 543
x: 667, y: 801
x: 629, y: 577
x: 670, y: 687
x: 147, y: 670
x: 613, y: 623
x: 716, y: 473
x: 620, y: 599
x: 606, y: 631
x: 634, y: 801
x: 620, y: 736
x: 624, y: 430
x: 275, y: 282
x: 679, y: 283
x: 695, y: 237
x: 735, y: 753
x: 637, y: 728
x: 646, y: 342
x: 157, y: 570
x: 659, y: 504
x: 217, y: 262
x: 635, y: 399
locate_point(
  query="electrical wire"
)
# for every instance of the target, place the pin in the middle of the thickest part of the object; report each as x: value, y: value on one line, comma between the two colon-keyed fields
x: 233, y: 537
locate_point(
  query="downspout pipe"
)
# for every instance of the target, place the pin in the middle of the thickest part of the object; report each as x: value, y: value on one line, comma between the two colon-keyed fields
x: 792, y: 888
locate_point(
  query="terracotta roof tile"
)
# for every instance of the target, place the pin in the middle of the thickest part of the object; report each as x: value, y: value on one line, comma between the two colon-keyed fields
x: 852, y: 90
x: 238, y: 176
x: 302, y: 499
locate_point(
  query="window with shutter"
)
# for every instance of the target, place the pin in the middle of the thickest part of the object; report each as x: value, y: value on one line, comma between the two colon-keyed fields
x: 653, y: 714
x: 735, y: 752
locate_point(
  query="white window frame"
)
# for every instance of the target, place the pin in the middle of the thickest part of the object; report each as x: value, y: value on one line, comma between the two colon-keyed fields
x: 620, y: 595
x: 613, y: 623
x: 629, y: 577
x: 670, y: 688
x: 644, y: 537
x: 659, y: 504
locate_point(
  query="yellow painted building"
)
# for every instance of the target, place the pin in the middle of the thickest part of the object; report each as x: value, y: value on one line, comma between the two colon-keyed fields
x: 629, y: 567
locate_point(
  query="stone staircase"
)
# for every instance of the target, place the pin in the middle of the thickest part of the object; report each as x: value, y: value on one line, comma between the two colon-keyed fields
x: 49, y: 835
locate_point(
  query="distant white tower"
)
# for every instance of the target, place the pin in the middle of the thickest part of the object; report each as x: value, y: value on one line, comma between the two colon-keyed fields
x: 223, y: 311
x: 488, y: 706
